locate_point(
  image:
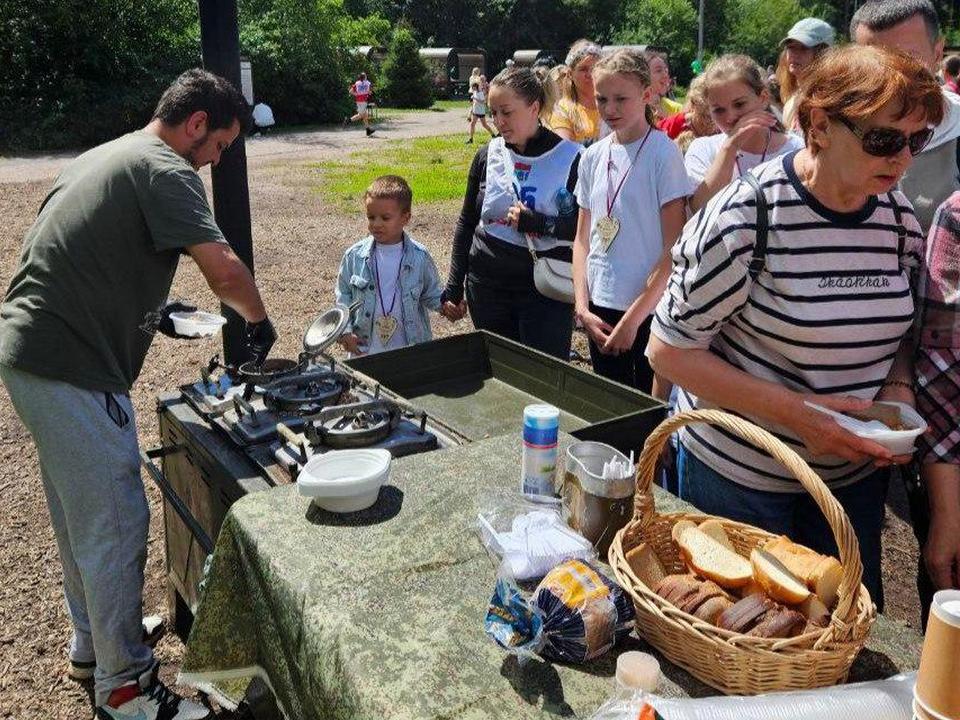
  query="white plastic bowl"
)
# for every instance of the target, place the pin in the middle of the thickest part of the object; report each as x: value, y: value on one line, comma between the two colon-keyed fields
x: 899, y: 442
x: 345, y: 481
x: 197, y: 323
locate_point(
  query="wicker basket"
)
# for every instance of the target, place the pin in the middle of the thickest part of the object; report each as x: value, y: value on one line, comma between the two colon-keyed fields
x: 732, y: 663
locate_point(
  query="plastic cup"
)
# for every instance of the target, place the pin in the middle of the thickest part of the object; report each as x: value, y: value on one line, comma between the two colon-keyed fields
x: 938, y: 680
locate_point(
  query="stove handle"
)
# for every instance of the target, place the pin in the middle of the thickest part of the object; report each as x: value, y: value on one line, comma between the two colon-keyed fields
x: 291, y: 437
x: 170, y: 495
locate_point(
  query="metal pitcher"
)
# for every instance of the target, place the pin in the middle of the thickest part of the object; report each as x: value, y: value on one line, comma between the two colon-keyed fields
x: 598, y: 507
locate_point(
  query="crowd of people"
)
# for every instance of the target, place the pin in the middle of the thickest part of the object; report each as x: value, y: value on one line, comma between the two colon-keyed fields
x: 782, y: 237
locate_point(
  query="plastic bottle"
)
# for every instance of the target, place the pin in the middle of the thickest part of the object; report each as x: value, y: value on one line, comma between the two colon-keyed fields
x: 541, y: 426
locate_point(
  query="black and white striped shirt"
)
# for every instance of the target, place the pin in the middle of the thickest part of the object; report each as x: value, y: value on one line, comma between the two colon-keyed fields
x: 826, y: 315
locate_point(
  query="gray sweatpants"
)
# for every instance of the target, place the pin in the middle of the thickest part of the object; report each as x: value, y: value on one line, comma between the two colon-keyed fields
x: 90, y: 465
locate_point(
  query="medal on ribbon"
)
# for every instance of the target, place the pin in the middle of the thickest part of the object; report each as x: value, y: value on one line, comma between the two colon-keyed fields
x: 608, y: 226
x: 386, y: 325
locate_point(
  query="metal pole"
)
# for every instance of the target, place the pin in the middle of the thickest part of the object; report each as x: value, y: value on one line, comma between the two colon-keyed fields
x: 220, y: 41
x: 700, y: 32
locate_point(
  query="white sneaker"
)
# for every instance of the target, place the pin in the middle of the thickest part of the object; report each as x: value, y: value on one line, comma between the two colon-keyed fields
x: 149, y: 699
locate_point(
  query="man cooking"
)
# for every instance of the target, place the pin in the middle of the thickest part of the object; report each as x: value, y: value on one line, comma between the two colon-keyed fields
x: 75, y: 327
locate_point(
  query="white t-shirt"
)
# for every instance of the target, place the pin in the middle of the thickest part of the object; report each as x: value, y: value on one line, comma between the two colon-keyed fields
x: 479, y: 98
x: 262, y: 115
x: 387, y: 260
x: 704, y: 150
x: 617, y: 276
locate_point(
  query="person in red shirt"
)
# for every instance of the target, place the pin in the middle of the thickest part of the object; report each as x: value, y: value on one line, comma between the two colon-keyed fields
x: 951, y: 73
x: 361, y: 90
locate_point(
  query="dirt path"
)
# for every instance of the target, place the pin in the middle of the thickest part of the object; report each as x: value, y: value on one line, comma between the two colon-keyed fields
x: 298, y: 242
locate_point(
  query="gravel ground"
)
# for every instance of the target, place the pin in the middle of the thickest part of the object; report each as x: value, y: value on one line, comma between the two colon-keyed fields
x: 298, y: 243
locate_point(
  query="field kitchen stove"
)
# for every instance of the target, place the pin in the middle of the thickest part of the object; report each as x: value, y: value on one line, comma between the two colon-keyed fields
x: 238, y: 430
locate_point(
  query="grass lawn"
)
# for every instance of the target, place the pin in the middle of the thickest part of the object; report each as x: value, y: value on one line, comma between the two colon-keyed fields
x: 435, y: 167
x: 438, y: 106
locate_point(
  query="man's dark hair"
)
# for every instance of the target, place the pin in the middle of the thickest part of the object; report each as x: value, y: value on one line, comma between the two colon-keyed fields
x: 952, y: 65
x: 197, y: 90
x: 880, y: 15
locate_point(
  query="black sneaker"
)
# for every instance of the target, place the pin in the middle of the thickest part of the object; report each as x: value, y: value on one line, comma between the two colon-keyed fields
x: 469, y: 142
x: 149, y: 699
x: 369, y: 132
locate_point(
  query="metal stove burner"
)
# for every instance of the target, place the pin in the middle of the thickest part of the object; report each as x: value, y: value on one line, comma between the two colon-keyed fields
x: 359, y: 425
x: 306, y: 393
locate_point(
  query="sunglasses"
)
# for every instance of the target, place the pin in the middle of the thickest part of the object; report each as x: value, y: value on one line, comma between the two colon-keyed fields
x: 887, y: 142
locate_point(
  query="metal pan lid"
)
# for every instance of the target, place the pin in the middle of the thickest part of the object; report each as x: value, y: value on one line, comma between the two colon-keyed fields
x: 326, y: 329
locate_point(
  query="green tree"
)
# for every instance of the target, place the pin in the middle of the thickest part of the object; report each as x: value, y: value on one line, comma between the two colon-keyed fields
x: 298, y: 65
x: 758, y: 26
x: 67, y: 80
x: 406, y: 82
x: 669, y: 23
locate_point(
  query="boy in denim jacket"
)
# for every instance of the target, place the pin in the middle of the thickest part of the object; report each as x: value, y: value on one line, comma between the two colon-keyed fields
x: 938, y: 396
x: 391, y: 273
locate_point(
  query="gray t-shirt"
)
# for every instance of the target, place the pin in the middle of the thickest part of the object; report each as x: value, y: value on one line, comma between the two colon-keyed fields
x: 98, y: 262
x: 931, y: 179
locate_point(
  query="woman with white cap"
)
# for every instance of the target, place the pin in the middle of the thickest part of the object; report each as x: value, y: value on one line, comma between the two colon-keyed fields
x: 807, y: 39
x: 575, y: 115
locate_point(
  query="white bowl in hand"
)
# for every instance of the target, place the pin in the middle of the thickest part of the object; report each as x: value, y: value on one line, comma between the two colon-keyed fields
x: 899, y: 442
x: 345, y: 481
x: 197, y: 323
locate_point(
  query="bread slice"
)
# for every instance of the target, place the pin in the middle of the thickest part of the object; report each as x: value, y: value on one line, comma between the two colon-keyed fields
x: 677, y: 588
x: 708, y: 590
x: 712, y: 608
x: 646, y: 565
x: 744, y: 615
x: 680, y: 528
x: 751, y: 588
x: 713, y: 561
x: 778, y: 582
x: 714, y: 528
x: 815, y: 611
x: 821, y: 573
x: 779, y: 623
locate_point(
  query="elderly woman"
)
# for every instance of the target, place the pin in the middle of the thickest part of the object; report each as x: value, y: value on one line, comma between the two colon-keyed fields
x: 820, y: 316
x: 575, y: 115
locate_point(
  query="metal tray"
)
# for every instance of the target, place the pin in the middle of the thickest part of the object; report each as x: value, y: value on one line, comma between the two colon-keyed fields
x: 479, y: 384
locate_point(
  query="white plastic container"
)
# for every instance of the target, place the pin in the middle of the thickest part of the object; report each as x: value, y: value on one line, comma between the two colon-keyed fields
x: 344, y: 481
x: 899, y: 442
x: 197, y: 323
x: 541, y: 427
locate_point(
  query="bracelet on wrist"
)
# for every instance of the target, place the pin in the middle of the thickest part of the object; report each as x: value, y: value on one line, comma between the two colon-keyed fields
x: 898, y: 383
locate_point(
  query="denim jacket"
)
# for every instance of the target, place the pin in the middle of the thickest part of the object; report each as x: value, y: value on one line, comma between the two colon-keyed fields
x: 419, y: 289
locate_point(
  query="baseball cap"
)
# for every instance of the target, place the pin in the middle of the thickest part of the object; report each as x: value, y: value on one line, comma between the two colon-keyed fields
x: 811, y: 32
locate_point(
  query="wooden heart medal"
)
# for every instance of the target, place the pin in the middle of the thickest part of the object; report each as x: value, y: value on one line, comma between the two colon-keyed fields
x: 608, y: 226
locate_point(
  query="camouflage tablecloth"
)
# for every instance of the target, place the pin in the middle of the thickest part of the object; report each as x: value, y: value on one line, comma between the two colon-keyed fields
x: 379, y: 614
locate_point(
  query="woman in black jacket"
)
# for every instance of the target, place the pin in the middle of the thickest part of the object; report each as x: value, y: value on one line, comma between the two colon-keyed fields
x: 520, y: 187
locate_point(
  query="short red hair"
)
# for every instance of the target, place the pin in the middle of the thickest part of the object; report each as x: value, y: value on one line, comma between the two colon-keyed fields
x: 858, y: 81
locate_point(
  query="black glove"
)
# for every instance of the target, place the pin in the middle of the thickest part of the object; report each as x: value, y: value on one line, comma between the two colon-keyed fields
x: 165, y: 324
x: 259, y: 338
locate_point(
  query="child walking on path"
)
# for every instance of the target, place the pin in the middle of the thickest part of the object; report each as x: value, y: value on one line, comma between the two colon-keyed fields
x: 478, y: 108
x: 361, y: 90
x: 631, y: 190
x: 391, y: 273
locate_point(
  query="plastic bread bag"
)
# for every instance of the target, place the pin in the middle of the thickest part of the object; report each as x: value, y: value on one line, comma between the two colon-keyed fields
x: 576, y: 614
x: 529, y: 539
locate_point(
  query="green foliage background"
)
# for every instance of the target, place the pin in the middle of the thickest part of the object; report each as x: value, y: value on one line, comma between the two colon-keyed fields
x: 405, y: 80
x: 77, y: 72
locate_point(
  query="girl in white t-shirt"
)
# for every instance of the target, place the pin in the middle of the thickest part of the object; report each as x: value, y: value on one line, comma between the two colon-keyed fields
x: 739, y: 103
x: 631, y: 190
x: 478, y: 107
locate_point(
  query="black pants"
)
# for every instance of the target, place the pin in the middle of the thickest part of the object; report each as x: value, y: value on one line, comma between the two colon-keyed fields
x: 522, y: 314
x: 920, y: 519
x: 631, y: 367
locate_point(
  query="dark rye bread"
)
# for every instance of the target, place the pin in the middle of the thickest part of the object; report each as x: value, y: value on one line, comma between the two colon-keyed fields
x: 745, y: 614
